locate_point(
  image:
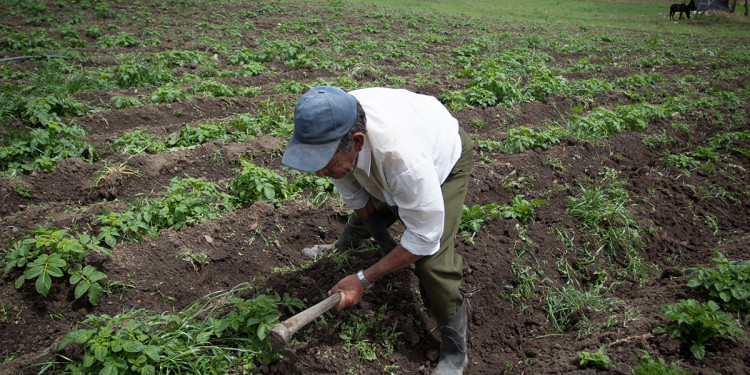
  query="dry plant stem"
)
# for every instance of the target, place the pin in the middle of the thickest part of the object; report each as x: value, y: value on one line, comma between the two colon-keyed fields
x: 626, y: 339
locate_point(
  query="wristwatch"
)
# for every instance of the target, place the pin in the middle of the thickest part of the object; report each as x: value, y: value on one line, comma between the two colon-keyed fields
x: 363, y: 280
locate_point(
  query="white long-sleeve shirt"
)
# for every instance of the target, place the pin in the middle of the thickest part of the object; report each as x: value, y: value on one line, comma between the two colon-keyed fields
x: 410, y: 147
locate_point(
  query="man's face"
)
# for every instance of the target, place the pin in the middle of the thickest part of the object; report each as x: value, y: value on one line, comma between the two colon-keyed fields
x: 342, y: 163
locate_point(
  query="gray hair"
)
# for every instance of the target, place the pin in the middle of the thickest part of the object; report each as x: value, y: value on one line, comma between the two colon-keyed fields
x: 360, y: 126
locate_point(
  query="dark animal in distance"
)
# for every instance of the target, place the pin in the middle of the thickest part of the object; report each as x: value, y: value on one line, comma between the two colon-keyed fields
x: 681, y: 8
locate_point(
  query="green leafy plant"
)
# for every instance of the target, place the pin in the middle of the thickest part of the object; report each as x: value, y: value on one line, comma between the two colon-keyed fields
x: 698, y: 323
x: 356, y: 331
x: 202, y: 338
x: 141, y: 74
x: 473, y: 218
x: 175, y: 58
x: 321, y: 188
x: 93, y: 31
x: 44, y: 109
x: 523, y: 138
x: 249, y: 69
x: 187, y: 201
x: 685, y: 162
x: 190, y: 135
x: 168, y: 94
x: 23, y: 190
x: 597, y: 359
x: 520, y: 209
x: 658, y: 141
x: 21, y: 40
x: 647, y: 365
x: 49, y: 253
x: 728, y: 282
x: 121, y: 39
x: 120, y: 102
x: 257, y: 183
x: 212, y: 89
x: 42, y: 149
x: 603, y: 123
x: 138, y: 142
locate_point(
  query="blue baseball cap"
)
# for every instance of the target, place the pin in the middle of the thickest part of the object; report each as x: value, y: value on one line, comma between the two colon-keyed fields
x: 322, y: 116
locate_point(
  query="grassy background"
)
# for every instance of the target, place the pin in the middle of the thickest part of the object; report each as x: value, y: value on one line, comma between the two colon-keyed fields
x: 652, y: 16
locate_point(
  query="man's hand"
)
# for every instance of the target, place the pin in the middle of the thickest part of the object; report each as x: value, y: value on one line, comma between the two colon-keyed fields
x: 352, y: 291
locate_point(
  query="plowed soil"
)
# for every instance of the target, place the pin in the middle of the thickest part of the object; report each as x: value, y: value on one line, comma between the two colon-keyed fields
x: 682, y: 223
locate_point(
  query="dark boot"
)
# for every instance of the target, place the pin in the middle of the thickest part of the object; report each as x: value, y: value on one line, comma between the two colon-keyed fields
x: 348, y: 239
x: 379, y: 232
x: 453, y: 355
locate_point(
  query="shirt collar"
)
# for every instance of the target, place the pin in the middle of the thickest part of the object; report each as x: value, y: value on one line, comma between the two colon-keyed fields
x: 364, y: 158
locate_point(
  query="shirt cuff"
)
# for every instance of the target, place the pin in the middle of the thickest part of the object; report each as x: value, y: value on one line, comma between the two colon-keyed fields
x: 415, y: 245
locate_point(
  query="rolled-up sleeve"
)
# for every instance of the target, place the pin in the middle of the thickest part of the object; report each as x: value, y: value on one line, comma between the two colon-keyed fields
x: 353, y: 194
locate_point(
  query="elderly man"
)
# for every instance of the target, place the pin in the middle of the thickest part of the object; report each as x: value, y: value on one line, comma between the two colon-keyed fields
x: 394, y: 154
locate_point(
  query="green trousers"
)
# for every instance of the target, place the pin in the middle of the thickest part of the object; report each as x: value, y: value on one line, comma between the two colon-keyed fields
x: 440, y: 275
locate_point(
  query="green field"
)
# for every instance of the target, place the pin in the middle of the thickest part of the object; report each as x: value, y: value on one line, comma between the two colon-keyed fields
x: 651, y: 16
x: 147, y: 225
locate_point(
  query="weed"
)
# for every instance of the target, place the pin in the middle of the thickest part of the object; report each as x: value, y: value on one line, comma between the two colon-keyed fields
x: 197, y: 260
x: 658, y: 141
x: 4, y: 309
x: 355, y: 331
x: 23, y: 190
x: 520, y: 182
x: 603, y: 213
x: 569, y: 308
x: 110, y: 172
x: 697, y: 323
x: 647, y: 365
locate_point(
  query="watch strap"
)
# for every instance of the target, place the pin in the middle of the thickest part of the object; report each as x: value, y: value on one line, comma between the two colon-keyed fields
x: 363, y: 280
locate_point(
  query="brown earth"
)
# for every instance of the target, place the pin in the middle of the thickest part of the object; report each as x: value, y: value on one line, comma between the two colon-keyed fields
x: 506, y: 335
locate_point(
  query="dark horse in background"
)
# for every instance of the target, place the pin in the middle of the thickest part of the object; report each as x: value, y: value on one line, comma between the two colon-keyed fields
x: 681, y: 8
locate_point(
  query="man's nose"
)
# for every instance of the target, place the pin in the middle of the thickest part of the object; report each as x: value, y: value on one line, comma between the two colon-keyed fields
x: 321, y: 172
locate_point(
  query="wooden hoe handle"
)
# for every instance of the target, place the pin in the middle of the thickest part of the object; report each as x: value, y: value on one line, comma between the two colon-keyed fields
x: 281, y: 332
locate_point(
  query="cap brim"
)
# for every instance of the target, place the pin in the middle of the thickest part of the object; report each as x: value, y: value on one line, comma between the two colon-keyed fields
x: 307, y: 157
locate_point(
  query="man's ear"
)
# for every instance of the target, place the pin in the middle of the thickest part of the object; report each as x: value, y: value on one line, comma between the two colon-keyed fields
x: 358, y: 140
